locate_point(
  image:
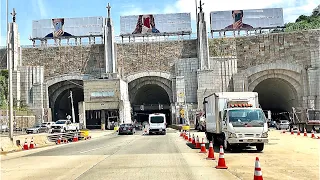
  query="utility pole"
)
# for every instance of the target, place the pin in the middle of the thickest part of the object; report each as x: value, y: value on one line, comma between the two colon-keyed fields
x: 72, y: 108
x: 10, y: 54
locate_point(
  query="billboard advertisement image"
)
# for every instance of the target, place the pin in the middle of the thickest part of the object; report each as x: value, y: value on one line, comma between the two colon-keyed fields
x: 67, y: 27
x: 246, y: 19
x: 155, y: 23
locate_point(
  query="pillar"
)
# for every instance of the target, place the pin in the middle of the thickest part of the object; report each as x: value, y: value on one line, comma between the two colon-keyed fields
x: 103, y: 120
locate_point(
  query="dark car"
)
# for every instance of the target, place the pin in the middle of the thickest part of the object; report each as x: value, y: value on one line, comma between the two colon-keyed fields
x: 272, y: 124
x: 126, y: 129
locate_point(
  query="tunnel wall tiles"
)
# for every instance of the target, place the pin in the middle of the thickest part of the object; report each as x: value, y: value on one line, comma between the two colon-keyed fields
x: 188, y: 69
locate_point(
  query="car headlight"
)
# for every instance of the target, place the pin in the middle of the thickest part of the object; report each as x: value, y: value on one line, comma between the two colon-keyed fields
x: 264, y: 135
x: 232, y: 135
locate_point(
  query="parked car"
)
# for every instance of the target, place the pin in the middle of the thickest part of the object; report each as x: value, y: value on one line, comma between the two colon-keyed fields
x: 38, y: 128
x: 283, y: 124
x: 126, y: 129
x: 4, y: 128
x: 48, y: 124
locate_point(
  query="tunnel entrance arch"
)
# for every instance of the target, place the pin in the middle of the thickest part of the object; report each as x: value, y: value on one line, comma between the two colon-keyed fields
x: 279, y: 91
x: 150, y: 94
x: 59, y: 88
x: 60, y: 101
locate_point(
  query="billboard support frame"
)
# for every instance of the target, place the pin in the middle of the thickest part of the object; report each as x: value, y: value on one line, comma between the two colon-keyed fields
x: 43, y: 41
x: 145, y: 37
x: 257, y: 31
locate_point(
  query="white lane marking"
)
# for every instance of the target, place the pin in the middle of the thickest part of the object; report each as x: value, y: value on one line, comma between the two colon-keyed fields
x: 92, y: 149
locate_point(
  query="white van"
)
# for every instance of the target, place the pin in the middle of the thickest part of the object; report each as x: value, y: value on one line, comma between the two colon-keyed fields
x: 157, y: 123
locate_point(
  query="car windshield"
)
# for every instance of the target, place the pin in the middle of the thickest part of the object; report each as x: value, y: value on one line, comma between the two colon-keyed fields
x: 157, y: 119
x: 37, y: 126
x: 60, y: 122
x: 246, y: 117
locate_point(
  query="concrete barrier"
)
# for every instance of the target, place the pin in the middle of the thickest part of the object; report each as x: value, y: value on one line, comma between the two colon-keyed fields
x: 176, y: 126
x: 40, y: 140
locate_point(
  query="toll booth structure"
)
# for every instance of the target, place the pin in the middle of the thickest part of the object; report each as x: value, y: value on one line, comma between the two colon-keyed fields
x: 106, y: 104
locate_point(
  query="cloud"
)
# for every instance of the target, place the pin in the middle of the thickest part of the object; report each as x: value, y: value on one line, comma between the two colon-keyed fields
x: 133, y: 10
x: 40, y: 7
x: 292, y: 8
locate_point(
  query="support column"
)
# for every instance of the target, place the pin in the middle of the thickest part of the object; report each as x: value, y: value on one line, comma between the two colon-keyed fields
x: 103, y: 120
x: 110, y: 59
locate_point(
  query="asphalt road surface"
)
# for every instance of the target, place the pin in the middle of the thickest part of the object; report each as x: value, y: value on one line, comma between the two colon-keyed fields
x: 115, y: 157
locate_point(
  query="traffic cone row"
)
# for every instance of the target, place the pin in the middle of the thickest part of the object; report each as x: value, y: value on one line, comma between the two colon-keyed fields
x: 304, y: 133
x: 32, y: 145
x: 221, y: 161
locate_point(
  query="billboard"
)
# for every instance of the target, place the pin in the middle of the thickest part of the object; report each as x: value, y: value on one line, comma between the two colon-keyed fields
x: 155, y: 24
x: 63, y: 27
x: 246, y: 19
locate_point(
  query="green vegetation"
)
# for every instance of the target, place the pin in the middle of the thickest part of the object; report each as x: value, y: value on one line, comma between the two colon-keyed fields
x: 305, y: 22
x: 3, y: 88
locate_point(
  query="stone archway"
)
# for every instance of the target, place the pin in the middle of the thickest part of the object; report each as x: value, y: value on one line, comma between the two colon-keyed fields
x: 151, y: 90
x: 279, y: 89
x: 59, y: 88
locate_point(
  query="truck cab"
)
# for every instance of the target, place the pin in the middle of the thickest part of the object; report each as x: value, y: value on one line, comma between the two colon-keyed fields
x: 244, y: 127
x: 157, y: 123
x: 235, y: 120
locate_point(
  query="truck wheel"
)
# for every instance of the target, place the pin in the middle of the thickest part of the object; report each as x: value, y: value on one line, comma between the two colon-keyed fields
x: 260, y: 147
x: 209, y: 136
x: 226, y: 145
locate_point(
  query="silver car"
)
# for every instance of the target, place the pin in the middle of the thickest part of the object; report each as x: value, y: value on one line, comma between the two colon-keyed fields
x: 37, y: 129
x: 283, y: 124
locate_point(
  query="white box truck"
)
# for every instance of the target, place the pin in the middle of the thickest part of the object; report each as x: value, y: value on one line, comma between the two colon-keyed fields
x: 235, y: 120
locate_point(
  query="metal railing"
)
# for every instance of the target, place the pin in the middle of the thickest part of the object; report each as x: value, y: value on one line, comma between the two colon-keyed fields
x: 68, y: 135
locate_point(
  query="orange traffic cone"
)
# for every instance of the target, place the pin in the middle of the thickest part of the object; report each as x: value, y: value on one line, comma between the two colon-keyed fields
x: 190, y: 138
x: 193, y: 140
x: 203, y: 147
x: 211, y: 152
x: 305, y: 132
x: 312, y: 135
x: 197, y: 143
x: 221, y: 162
x: 283, y: 131
x: 187, y: 136
x: 292, y: 133
x: 59, y: 140
x: 181, y: 133
x: 298, y: 134
x: 318, y: 137
x: 75, y: 139
x: 31, y: 144
x: 257, y: 170
x: 25, y: 146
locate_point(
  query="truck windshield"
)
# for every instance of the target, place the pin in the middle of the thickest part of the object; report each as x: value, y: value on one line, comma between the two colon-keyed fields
x: 246, y: 117
x: 313, y: 115
x: 61, y: 122
x: 157, y: 119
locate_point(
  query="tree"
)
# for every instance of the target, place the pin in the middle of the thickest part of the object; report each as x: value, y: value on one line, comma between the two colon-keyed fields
x: 304, y: 22
x: 3, y: 87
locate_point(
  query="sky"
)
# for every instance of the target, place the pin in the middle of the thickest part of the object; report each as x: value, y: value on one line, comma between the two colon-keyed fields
x: 29, y: 10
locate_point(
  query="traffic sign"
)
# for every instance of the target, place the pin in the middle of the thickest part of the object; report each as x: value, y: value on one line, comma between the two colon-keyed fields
x: 68, y: 117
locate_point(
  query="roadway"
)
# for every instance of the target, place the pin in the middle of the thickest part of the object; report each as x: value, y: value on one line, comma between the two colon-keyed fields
x: 114, y: 157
